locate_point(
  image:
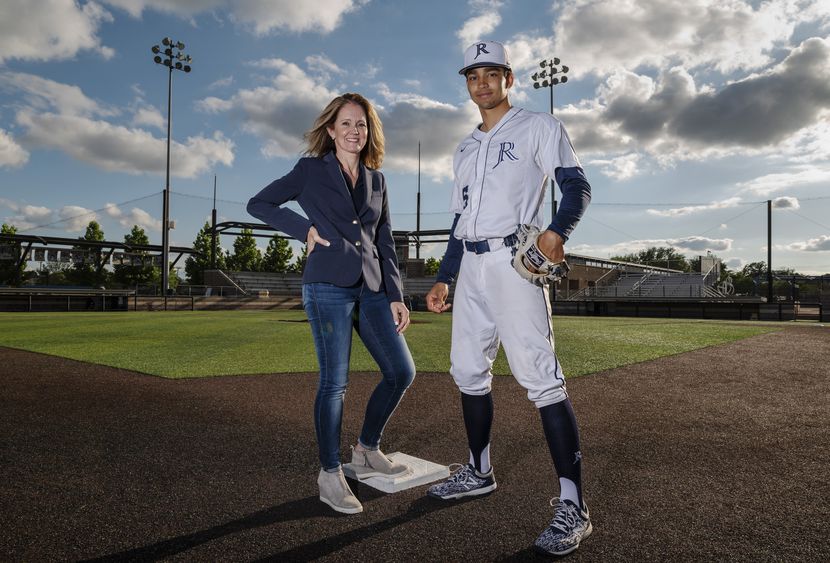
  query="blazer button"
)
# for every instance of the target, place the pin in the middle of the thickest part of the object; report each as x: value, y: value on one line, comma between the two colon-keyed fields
x: 357, y: 243
x: 354, y: 222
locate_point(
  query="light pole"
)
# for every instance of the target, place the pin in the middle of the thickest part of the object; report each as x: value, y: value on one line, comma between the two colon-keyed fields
x: 548, y: 78
x: 174, y: 58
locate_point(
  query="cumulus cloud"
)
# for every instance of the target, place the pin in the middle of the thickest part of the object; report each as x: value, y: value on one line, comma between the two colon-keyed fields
x: 60, y: 116
x: 621, y: 167
x: 690, y: 244
x: 671, y: 118
x: 75, y: 217
x: 280, y: 113
x: 50, y: 29
x: 480, y: 26
x: 122, y: 149
x: 11, y: 153
x: 260, y: 16
x: 599, y: 36
x: 691, y: 209
x: 150, y: 116
x: 26, y: 216
x: 820, y: 244
x: 134, y: 216
x: 785, y: 203
x: 764, y: 186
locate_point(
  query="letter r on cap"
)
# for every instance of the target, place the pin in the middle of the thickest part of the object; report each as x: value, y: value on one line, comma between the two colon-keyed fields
x: 481, y: 48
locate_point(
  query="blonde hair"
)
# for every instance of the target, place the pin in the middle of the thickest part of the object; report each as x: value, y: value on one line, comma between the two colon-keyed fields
x: 320, y: 143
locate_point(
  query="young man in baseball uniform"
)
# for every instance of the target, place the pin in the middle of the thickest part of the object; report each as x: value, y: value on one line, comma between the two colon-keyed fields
x: 500, y: 173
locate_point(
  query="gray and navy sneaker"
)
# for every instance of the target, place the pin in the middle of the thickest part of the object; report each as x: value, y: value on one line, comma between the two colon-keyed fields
x: 464, y: 483
x: 570, y: 526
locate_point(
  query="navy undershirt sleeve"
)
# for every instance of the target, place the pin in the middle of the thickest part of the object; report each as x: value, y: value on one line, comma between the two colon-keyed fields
x: 451, y: 262
x: 576, y: 195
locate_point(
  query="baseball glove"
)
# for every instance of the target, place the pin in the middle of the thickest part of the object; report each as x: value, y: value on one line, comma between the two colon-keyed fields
x: 531, y: 263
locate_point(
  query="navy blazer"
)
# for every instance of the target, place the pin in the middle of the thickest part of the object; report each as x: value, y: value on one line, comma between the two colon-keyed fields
x: 361, y: 241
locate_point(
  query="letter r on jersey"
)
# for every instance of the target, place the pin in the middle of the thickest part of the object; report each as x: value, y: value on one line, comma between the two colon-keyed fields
x: 480, y: 48
x: 505, y: 151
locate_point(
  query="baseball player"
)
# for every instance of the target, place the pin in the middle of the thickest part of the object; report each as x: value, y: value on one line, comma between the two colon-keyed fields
x: 500, y: 256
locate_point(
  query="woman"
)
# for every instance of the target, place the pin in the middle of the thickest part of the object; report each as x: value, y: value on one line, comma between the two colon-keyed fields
x: 351, y: 281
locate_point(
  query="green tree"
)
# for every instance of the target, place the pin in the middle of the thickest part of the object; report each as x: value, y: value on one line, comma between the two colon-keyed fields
x: 299, y: 264
x: 278, y: 255
x: 11, y: 273
x: 196, y: 264
x: 431, y: 266
x: 143, y: 271
x: 90, y: 270
x: 662, y: 257
x: 246, y: 256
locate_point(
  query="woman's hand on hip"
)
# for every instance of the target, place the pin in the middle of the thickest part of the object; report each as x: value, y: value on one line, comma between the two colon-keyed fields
x: 313, y: 238
x: 400, y: 314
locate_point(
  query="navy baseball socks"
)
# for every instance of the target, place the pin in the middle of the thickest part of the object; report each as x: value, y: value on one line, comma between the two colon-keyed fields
x: 571, y: 522
x: 475, y: 478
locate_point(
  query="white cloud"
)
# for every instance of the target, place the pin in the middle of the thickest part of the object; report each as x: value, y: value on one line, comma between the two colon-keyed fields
x: 480, y: 26
x: 11, y: 154
x: 43, y: 30
x: 221, y: 83
x: 692, y: 245
x: 599, y: 36
x: 621, y: 167
x: 121, y: 149
x: 820, y: 244
x: 149, y: 116
x: 671, y: 119
x: 688, y: 210
x: 135, y: 216
x: 71, y: 126
x: 785, y: 203
x: 76, y: 218
x: 764, y: 186
x: 43, y: 94
x: 261, y: 16
x: 282, y: 111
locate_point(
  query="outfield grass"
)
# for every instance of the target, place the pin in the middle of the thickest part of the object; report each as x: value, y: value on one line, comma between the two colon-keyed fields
x: 205, y: 343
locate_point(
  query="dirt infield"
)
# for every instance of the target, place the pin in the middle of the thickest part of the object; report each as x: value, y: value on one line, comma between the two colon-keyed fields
x: 713, y: 455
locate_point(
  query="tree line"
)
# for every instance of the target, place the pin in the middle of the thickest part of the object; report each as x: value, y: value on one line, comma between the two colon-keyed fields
x: 142, y: 268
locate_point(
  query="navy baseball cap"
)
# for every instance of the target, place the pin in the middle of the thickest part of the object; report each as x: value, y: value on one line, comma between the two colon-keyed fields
x: 485, y: 53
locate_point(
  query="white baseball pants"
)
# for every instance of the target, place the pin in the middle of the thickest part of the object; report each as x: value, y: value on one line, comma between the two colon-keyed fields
x: 493, y: 305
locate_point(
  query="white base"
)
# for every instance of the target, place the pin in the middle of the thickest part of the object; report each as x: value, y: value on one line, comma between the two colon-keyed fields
x: 421, y: 472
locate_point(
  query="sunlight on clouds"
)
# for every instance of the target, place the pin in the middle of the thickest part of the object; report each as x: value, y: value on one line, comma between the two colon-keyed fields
x: 621, y: 167
x: 76, y: 218
x: 11, y: 154
x: 135, y: 216
x: 688, y: 210
x: 50, y: 29
x: 118, y: 148
x: 820, y: 244
x: 597, y: 37
x: 786, y: 203
x: 768, y: 184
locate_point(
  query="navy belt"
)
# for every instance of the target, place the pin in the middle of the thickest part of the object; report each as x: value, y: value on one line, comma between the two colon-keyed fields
x: 482, y: 246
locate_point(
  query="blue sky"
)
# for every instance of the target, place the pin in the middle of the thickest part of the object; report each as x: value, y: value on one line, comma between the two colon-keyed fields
x: 687, y: 115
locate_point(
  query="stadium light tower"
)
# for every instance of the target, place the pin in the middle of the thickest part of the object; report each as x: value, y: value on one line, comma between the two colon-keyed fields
x: 550, y: 75
x: 169, y: 54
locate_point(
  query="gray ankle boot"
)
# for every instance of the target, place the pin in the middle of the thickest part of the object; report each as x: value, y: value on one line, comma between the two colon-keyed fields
x: 372, y: 463
x: 335, y: 492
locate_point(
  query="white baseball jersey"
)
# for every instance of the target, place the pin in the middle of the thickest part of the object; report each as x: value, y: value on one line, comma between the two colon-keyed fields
x: 499, y: 184
x: 500, y: 175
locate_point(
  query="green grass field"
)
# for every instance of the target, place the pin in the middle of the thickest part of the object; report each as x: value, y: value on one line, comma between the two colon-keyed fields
x: 206, y: 343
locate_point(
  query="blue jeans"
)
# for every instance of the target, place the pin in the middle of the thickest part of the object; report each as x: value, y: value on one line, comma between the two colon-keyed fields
x: 333, y: 312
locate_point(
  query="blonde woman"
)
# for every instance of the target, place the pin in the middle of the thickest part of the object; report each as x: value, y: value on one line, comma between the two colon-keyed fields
x: 351, y: 281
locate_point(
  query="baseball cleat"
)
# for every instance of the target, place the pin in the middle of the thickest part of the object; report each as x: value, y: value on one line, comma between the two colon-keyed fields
x: 464, y: 483
x: 569, y: 527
